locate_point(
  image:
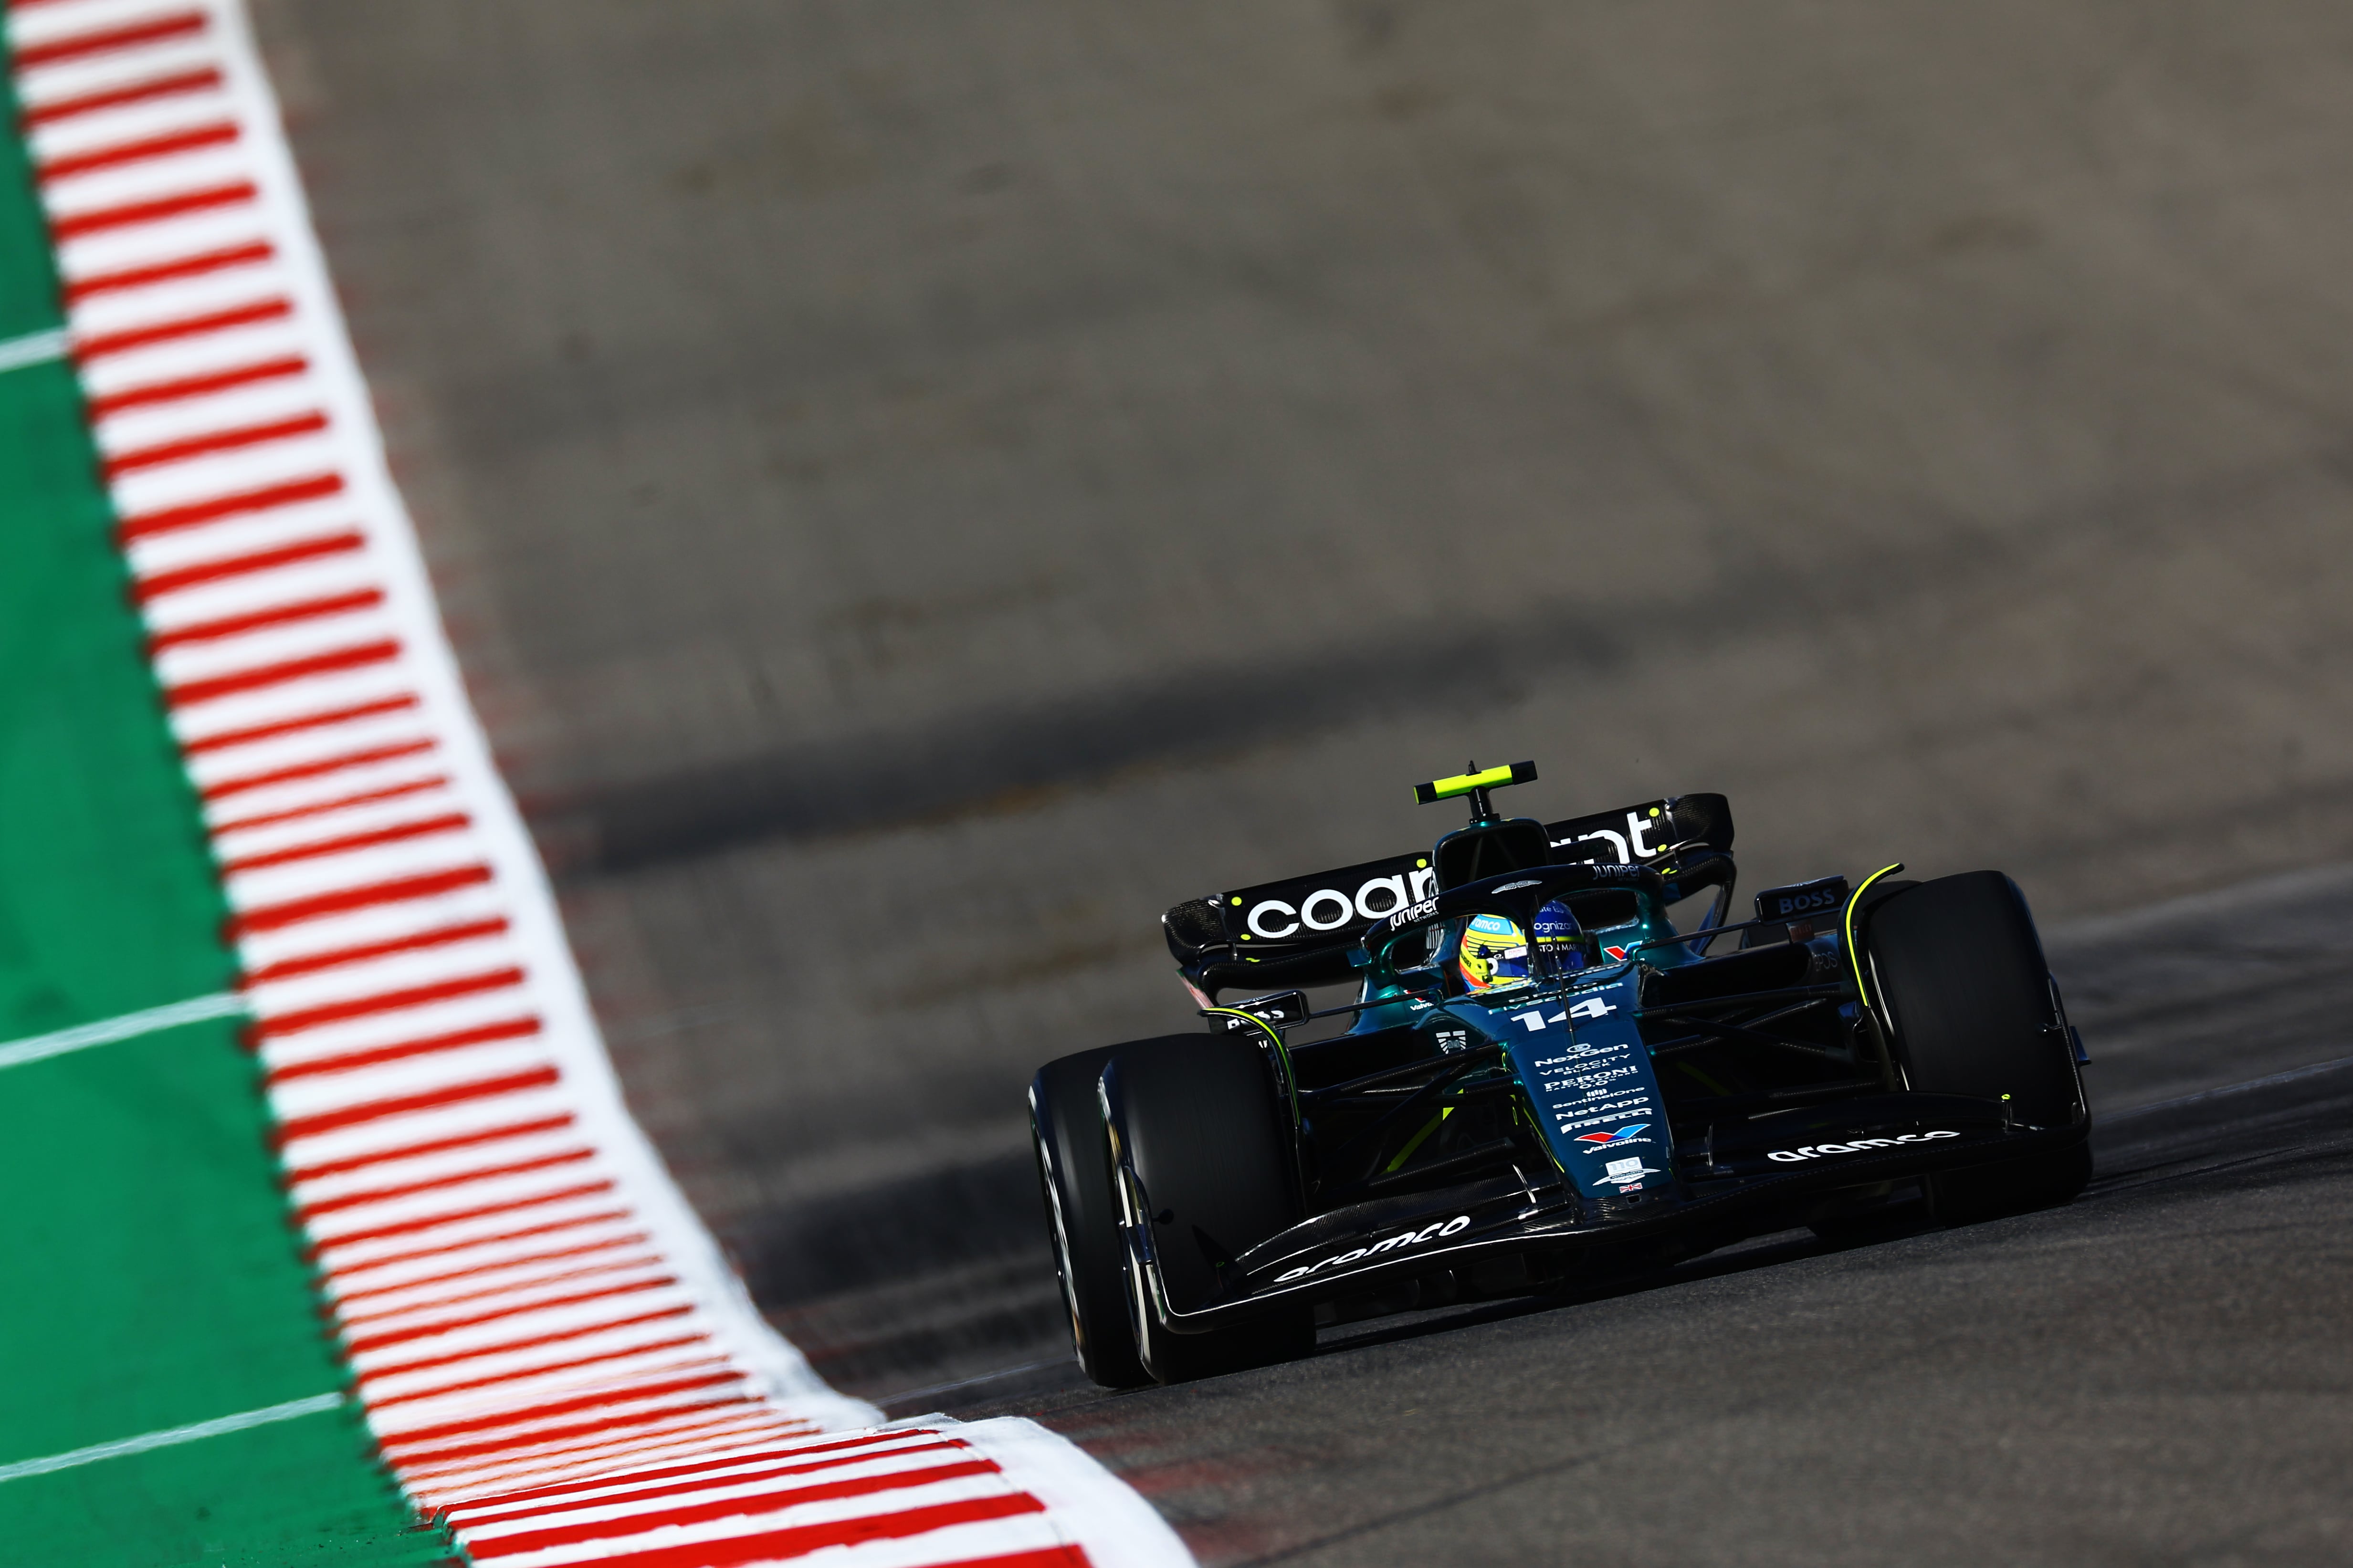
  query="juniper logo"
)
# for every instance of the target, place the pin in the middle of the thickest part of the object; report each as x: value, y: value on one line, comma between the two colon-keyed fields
x: 1412, y: 912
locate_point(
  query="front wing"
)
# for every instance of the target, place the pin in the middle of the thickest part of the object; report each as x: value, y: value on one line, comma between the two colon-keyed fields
x: 1781, y: 1162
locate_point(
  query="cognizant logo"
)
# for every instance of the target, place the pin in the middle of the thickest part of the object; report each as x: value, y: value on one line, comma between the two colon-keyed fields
x: 1329, y: 909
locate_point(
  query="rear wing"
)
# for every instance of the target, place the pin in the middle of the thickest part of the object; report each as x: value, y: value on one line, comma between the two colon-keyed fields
x: 1300, y: 927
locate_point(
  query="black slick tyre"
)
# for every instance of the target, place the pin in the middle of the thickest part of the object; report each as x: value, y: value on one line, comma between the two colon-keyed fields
x: 1204, y: 1142
x: 1959, y: 974
x: 1074, y: 1178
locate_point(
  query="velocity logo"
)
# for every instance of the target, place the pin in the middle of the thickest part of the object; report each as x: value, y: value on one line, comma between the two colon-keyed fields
x: 1594, y: 1141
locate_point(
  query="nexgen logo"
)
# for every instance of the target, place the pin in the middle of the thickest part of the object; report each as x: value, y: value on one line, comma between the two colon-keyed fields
x: 1329, y: 909
x: 1402, y: 1239
x: 1859, y: 1146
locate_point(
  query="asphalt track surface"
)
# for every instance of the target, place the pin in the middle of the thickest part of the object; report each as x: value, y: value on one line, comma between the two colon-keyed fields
x: 2156, y: 1372
x: 918, y: 489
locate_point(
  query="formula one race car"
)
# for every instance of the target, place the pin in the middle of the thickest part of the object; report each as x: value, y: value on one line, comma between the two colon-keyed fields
x: 1542, y: 1081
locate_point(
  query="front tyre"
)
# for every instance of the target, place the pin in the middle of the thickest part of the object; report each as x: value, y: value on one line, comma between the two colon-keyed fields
x: 1959, y: 974
x: 1204, y: 1139
x: 1074, y: 1178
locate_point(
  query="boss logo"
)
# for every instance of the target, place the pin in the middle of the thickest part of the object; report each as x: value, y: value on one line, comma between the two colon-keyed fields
x: 1805, y: 899
x: 1279, y: 1011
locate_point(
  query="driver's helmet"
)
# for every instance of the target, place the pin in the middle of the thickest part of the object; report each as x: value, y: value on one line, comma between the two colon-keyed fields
x: 1494, y: 951
x: 1558, y: 934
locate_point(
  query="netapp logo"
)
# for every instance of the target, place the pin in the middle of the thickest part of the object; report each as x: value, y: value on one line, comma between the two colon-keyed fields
x: 1859, y: 1146
x: 1329, y: 909
x: 1403, y: 1239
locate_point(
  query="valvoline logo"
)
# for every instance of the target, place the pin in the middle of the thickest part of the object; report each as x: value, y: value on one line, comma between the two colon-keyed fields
x: 1627, y: 1134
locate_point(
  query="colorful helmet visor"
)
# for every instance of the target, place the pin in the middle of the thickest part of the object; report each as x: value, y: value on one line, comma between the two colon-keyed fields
x: 1493, y: 953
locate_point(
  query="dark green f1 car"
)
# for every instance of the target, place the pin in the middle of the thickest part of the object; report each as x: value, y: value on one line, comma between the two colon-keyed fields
x: 1541, y: 1080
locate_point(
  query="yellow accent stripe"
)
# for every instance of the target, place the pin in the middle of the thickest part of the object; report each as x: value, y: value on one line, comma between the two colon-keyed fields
x: 1853, y: 956
x: 1415, y: 1142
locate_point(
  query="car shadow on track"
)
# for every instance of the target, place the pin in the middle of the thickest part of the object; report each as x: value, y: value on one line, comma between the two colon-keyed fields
x: 1756, y: 1252
x: 1054, y: 1384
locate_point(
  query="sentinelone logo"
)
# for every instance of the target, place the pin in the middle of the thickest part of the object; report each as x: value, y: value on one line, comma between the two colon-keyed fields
x: 1859, y: 1146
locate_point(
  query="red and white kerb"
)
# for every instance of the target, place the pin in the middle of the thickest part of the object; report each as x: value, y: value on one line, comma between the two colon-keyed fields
x: 550, y: 1352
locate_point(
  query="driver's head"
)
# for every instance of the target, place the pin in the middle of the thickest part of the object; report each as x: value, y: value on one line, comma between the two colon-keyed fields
x: 1493, y: 953
x: 1559, y: 936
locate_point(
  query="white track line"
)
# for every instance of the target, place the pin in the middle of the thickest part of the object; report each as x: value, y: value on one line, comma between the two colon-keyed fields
x: 128, y: 1027
x: 525, y: 1299
x: 269, y: 1414
x: 33, y: 348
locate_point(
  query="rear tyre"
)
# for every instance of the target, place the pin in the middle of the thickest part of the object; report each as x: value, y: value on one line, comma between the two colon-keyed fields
x: 1201, y: 1126
x: 1958, y: 972
x: 1082, y: 1214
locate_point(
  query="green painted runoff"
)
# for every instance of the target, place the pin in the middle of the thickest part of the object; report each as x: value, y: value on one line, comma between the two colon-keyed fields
x: 153, y: 1279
